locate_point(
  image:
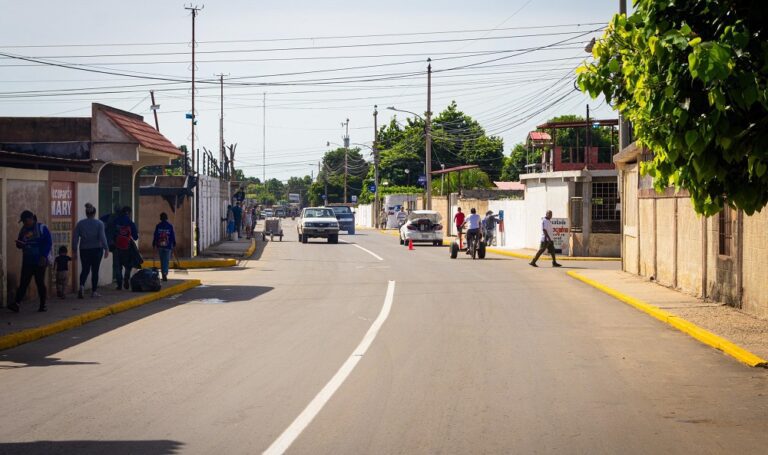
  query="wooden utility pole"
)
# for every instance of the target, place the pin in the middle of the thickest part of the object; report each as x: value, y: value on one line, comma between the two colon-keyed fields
x: 428, y: 128
x: 346, y: 157
x: 376, y: 209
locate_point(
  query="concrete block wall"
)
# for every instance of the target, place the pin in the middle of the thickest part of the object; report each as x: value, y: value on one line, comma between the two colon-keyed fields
x: 515, y: 227
x: 689, y: 249
x: 647, y: 237
x: 666, y: 227
x: 755, y: 270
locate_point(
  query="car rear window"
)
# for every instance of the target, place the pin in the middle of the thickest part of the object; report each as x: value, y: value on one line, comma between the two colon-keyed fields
x: 318, y: 213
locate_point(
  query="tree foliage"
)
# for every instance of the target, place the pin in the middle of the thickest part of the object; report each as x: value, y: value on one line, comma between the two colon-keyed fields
x: 691, y: 76
x: 331, y: 176
x: 457, y: 139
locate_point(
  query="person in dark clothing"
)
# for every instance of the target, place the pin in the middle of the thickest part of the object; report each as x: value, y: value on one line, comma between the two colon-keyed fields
x: 35, y: 242
x: 125, y: 235
x: 90, y: 236
x: 61, y: 267
x: 164, y: 240
x: 237, y: 211
x: 109, y: 231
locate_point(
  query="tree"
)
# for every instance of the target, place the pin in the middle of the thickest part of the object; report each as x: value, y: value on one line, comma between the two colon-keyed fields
x: 456, y: 139
x: 514, y: 164
x: 691, y: 76
x: 332, y: 176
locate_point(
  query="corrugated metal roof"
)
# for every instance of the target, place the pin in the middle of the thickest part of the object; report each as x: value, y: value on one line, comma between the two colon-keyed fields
x: 539, y: 136
x: 147, y: 136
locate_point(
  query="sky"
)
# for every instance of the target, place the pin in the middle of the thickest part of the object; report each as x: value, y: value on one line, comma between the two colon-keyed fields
x: 508, y: 64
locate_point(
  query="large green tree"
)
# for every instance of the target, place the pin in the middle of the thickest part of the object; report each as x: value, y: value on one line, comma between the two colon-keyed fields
x: 692, y: 78
x: 331, y: 176
x: 457, y: 139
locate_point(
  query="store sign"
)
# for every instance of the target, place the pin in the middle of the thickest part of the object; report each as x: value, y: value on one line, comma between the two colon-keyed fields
x: 62, y: 197
x: 560, y: 228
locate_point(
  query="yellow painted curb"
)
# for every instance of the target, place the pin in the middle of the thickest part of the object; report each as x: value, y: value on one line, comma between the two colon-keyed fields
x: 195, y: 263
x: 704, y: 336
x: 251, y: 249
x: 28, y: 335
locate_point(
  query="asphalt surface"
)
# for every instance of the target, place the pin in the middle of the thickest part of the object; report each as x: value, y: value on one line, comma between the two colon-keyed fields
x: 484, y: 356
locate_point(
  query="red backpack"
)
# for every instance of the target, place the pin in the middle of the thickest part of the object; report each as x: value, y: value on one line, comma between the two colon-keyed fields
x: 123, y: 239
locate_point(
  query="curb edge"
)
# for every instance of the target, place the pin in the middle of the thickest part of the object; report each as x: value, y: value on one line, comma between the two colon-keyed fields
x: 28, y: 335
x: 704, y: 336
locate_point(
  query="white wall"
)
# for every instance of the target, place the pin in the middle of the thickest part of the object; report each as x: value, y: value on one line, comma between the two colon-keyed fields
x: 540, y: 197
x: 364, y: 215
x: 515, y: 226
x: 212, y: 209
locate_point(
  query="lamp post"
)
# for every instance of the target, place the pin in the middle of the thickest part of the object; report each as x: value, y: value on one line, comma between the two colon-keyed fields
x: 428, y: 151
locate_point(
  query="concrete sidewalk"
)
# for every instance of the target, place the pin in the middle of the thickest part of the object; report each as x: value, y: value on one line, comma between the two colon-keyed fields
x: 241, y: 248
x: 29, y: 325
x: 723, y: 327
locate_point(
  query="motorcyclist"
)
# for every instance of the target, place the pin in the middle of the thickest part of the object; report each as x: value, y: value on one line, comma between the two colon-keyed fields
x: 489, y: 226
x: 472, y: 224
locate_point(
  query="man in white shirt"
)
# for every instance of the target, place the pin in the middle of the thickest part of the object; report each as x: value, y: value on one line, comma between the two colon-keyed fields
x: 402, y: 217
x: 547, y: 242
x: 473, y: 226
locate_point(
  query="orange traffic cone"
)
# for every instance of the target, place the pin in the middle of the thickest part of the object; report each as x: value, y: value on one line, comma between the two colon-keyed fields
x: 410, y: 244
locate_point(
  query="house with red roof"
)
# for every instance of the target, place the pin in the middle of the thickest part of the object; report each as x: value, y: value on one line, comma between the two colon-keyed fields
x: 54, y: 165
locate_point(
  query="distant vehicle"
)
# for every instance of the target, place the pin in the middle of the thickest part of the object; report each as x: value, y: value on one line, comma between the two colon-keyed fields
x: 268, y: 213
x: 318, y: 222
x: 280, y: 212
x: 422, y: 226
x: 346, y: 218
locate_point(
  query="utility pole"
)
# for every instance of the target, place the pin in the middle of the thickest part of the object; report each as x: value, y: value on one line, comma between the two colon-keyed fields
x: 346, y: 157
x: 587, y: 140
x: 264, y: 140
x: 195, y: 10
x: 624, y: 126
x: 428, y: 130
x: 221, y: 117
x: 376, y: 166
x: 154, y: 109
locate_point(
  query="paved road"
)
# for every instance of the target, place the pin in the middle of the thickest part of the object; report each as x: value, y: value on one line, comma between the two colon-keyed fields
x: 474, y: 357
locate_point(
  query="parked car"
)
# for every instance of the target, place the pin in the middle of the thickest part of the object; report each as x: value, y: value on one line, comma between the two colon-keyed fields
x: 422, y: 226
x: 318, y: 222
x: 268, y: 213
x: 346, y: 218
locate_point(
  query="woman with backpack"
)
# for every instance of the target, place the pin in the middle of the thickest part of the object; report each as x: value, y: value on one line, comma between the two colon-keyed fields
x: 126, y: 235
x: 164, y: 240
x: 35, y: 242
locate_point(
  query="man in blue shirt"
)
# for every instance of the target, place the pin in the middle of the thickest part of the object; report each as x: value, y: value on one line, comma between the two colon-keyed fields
x: 35, y: 242
x: 164, y: 240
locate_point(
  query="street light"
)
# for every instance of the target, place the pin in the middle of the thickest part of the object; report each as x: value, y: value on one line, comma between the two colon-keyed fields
x: 428, y: 152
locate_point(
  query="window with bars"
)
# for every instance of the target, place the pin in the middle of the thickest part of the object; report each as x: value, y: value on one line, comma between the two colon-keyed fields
x: 605, y: 217
x: 725, y: 234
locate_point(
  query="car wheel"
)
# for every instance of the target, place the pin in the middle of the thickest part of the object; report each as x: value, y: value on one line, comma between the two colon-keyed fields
x: 481, y: 251
x: 333, y: 238
x: 402, y: 242
x: 454, y: 250
x: 304, y: 238
x: 351, y: 231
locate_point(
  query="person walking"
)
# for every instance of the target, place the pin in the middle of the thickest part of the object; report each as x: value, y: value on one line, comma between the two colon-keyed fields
x: 458, y: 220
x: 402, y: 217
x: 164, y: 240
x: 35, y: 242
x: 109, y: 229
x: 547, y: 242
x: 61, y: 268
x: 247, y: 222
x: 237, y: 211
x: 126, y: 235
x: 90, y: 240
x: 230, y: 222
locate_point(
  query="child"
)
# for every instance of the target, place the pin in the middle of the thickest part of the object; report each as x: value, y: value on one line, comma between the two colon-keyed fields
x: 61, y: 267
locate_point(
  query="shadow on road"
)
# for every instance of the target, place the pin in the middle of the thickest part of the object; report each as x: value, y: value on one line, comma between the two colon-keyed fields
x: 41, y: 353
x: 150, y: 447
